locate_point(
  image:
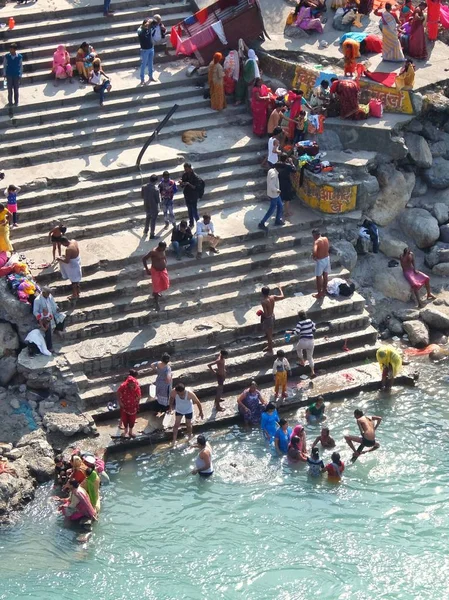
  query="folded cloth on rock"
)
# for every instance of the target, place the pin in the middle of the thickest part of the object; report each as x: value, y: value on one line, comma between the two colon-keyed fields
x: 71, y: 270
x: 35, y: 337
x: 160, y: 280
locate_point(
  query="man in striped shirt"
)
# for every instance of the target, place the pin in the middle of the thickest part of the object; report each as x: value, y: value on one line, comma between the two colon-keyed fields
x: 304, y: 330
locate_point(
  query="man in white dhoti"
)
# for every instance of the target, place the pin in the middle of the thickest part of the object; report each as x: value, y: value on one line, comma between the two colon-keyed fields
x: 70, y: 265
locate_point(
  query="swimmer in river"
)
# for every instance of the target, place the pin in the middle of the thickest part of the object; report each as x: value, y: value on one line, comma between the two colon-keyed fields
x: 325, y: 439
x: 367, y: 428
x: 203, y: 463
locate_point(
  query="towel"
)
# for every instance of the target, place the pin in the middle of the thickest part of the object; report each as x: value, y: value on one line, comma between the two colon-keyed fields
x: 71, y: 270
x: 218, y: 28
x: 35, y: 337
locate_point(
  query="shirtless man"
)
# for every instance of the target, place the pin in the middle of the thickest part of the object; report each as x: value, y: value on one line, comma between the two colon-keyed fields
x: 268, y: 302
x: 220, y: 373
x: 367, y: 428
x: 70, y: 265
x: 158, y: 273
x: 320, y: 255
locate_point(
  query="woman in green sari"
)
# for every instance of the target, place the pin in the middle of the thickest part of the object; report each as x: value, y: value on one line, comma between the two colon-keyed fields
x: 248, y: 75
x: 92, y: 486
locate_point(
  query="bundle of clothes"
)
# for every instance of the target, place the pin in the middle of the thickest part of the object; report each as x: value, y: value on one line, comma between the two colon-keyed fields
x: 20, y: 280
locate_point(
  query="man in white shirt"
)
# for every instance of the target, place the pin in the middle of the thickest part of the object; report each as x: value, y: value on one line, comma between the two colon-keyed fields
x: 205, y: 232
x: 273, y: 193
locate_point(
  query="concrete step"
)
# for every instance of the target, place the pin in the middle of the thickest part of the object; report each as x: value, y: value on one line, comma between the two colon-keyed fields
x: 34, y: 15
x: 234, y: 259
x: 220, y: 285
x: 68, y: 147
x: 50, y: 33
x: 242, y: 365
x: 122, y: 349
x: 142, y: 103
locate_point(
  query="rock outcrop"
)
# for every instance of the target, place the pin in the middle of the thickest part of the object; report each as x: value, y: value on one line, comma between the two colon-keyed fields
x: 395, y: 192
x: 418, y: 150
x: 418, y: 333
x: 421, y: 226
x: 392, y: 284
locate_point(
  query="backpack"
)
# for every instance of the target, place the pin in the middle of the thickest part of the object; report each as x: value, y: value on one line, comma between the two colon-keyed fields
x: 200, y: 187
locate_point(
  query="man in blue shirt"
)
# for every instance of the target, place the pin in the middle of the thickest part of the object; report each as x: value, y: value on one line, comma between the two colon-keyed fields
x: 12, y: 72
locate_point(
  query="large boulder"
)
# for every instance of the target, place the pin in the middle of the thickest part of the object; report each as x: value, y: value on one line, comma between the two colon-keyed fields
x: 392, y: 283
x: 420, y: 188
x: 9, y: 340
x: 421, y: 226
x: 68, y: 424
x: 395, y: 326
x: 418, y: 333
x: 436, y: 317
x: 437, y: 176
x: 438, y: 254
x: 418, y: 150
x: 407, y: 314
x: 8, y: 368
x: 391, y: 247
x: 345, y: 253
x: 438, y: 149
x: 441, y: 212
x: 395, y: 192
x: 444, y: 234
x: 14, y: 311
x: 442, y: 269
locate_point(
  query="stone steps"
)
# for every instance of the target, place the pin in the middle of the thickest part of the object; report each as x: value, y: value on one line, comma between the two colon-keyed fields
x: 103, y: 139
x: 107, y: 353
x: 246, y: 364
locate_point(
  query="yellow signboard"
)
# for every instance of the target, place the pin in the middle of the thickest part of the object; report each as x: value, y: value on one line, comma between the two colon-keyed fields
x: 326, y: 198
x: 393, y: 100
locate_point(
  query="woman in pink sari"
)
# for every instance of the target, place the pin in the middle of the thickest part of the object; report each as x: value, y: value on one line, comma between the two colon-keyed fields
x: 259, y: 107
x: 61, y: 64
x: 415, y: 278
x: 417, y: 37
x: 304, y: 19
x: 78, y: 505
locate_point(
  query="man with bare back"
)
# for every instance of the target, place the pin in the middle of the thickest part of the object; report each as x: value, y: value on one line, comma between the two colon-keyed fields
x: 267, y: 315
x: 70, y: 265
x: 159, y: 274
x: 320, y: 255
x: 367, y: 427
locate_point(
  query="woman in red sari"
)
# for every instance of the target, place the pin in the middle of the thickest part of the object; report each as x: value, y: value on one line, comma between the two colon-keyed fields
x: 259, y: 107
x: 433, y: 18
x: 348, y: 93
x: 417, y: 38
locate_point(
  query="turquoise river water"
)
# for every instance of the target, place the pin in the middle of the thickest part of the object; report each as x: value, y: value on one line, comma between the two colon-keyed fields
x: 261, y: 529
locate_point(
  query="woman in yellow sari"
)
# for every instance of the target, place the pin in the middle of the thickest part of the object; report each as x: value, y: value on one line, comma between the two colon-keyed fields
x: 406, y: 78
x: 391, y: 46
x: 390, y: 363
x: 216, y: 83
x: 5, y: 218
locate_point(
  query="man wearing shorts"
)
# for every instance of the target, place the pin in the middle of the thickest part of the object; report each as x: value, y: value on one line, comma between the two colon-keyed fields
x: 320, y: 255
x: 182, y: 400
x: 367, y: 428
x: 220, y: 373
x: 267, y: 315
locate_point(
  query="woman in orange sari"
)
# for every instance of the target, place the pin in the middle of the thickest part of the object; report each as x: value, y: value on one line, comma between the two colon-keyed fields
x: 216, y: 83
x: 433, y: 18
x: 259, y: 107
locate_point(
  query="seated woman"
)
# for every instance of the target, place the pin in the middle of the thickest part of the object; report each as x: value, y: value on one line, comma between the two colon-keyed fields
x: 405, y: 80
x: 305, y: 20
x: 61, y: 64
x: 415, y: 278
x: 348, y: 94
x: 84, y: 59
x: 78, y: 505
x: 99, y: 80
x: 250, y: 404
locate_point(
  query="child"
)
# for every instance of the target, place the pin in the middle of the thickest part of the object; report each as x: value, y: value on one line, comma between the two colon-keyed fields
x: 168, y: 189
x: 61, y: 468
x: 315, y: 412
x: 300, y: 129
x: 326, y: 440
x: 315, y: 463
x: 11, y: 196
x: 220, y: 373
x: 55, y: 236
x: 269, y: 422
x: 44, y: 321
x: 335, y: 468
x: 280, y: 368
x: 101, y: 86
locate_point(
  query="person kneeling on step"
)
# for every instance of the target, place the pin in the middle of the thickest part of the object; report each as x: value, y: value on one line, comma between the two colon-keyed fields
x: 205, y: 232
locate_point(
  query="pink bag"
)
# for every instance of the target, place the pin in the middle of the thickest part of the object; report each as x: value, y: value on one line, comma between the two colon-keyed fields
x: 376, y: 108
